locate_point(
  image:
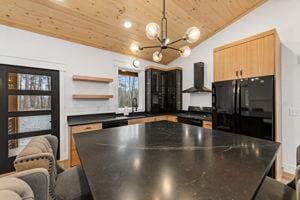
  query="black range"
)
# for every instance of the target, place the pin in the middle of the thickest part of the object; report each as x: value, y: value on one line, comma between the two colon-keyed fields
x: 195, y: 115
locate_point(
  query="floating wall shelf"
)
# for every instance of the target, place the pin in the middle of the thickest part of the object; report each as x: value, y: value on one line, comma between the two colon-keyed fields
x: 92, y: 96
x: 92, y: 79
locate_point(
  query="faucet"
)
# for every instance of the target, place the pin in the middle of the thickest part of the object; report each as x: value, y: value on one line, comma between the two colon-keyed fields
x: 134, y: 104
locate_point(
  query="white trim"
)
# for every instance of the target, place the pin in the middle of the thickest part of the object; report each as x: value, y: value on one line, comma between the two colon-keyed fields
x: 289, y: 168
x: 30, y: 62
x: 42, y: 64
x: 141, y: 90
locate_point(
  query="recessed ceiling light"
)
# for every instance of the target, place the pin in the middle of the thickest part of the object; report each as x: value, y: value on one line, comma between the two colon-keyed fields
x: 127, y: 24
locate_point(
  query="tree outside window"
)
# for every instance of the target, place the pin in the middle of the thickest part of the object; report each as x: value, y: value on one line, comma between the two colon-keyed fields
x: 128, y: 88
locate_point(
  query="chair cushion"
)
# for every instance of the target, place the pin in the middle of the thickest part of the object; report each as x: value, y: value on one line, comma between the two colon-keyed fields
x: 274, y: 190
x: 37, y: 145
x: 72, y: 185
x: 17, y: 186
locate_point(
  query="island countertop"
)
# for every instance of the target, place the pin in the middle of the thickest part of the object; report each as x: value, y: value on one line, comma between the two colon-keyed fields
x: 166, y: 160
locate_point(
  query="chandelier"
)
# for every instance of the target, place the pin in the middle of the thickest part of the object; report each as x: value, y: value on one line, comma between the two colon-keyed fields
x: 160, y: 33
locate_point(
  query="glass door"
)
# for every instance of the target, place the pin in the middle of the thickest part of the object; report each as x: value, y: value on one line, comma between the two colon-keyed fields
x: 29, y: 108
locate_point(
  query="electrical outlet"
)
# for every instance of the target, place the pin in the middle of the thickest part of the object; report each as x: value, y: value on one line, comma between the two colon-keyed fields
x: 294, y: 112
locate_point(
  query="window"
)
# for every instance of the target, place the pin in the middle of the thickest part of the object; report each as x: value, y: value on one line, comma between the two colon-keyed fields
x: 128, y: 88
x: 29, y: 107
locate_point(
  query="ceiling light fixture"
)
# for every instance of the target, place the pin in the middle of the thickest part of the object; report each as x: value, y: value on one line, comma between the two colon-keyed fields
x: 136, y: 63
x: 127, y: 24
x: 160, y: 33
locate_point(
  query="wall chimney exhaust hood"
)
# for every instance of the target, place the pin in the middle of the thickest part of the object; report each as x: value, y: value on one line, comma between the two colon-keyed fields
x: 198, y: 80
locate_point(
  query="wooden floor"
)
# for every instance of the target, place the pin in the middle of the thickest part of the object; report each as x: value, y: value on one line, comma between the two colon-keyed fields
x: 64, y: 163
x: 286, y: 177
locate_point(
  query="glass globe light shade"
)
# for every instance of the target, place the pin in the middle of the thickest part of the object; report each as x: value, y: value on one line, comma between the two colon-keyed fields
x: 152, y: 31
x: 192, y: 34
x: 135, y: 47
x: 157, y: 56
x: 185, y: 51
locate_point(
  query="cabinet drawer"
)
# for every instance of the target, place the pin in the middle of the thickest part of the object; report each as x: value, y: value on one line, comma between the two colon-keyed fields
x: 207, y: 124
x: 141, y: 120
x: 161, y: 118
x: 172, y: 118
x: 86, y: 128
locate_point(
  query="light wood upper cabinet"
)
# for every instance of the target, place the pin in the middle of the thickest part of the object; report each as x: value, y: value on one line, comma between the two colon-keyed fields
x: 224, y: 65
x: 260, y: 57
x: 250, y: 57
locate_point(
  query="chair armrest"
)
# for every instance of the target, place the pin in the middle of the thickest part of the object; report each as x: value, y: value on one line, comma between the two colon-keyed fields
x: 38, y: 180
x: 41, y: 160
x: 53, y: 141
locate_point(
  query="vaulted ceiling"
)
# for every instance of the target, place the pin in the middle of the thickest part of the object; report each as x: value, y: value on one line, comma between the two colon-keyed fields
x: 99, y: 23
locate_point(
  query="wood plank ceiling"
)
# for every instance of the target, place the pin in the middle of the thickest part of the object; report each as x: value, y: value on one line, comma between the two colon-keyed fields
x: 99, y: 23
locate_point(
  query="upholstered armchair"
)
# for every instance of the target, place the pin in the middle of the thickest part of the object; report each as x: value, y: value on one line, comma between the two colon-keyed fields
x: 67, y: 184
x: 30, y: 185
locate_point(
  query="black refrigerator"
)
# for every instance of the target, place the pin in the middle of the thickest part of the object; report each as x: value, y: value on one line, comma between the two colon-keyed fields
x: 245, y: 106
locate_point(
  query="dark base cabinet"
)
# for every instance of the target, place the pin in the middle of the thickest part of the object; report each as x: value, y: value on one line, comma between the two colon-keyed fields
x: 163, y: 90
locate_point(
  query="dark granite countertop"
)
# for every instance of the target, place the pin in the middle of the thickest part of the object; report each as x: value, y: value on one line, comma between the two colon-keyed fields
x: 168, y: 161
x: 109, y: 117
x: 102, y: 118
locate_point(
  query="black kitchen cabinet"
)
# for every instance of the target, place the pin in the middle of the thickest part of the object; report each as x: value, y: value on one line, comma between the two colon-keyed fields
x: 163, y: 90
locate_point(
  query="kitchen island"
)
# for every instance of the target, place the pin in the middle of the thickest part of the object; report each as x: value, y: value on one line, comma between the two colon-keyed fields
x: 167, y: 160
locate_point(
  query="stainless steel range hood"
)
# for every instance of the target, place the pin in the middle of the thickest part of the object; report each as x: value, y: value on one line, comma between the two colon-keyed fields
x: 198, y: 80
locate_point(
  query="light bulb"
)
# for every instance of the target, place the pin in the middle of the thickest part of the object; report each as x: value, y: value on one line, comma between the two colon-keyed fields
x: 127, y: 24
x: 152, y: 31
x: 167, y: 41
x: 157, y: 56
x: 185, y: 51
x: 192, y: 34
x: 135, y: 47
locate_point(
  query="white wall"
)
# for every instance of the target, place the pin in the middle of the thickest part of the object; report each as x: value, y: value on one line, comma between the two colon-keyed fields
x: 283, y: 15
x: 18, y: 47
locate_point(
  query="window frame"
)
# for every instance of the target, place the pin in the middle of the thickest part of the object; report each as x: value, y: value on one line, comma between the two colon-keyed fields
x: 5, y: 113
x: 140, y: 100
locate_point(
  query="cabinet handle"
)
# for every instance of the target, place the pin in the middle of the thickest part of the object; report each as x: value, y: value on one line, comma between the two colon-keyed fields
x: 236, y: 73
x: 87, y: 128
x: 241, y: 73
